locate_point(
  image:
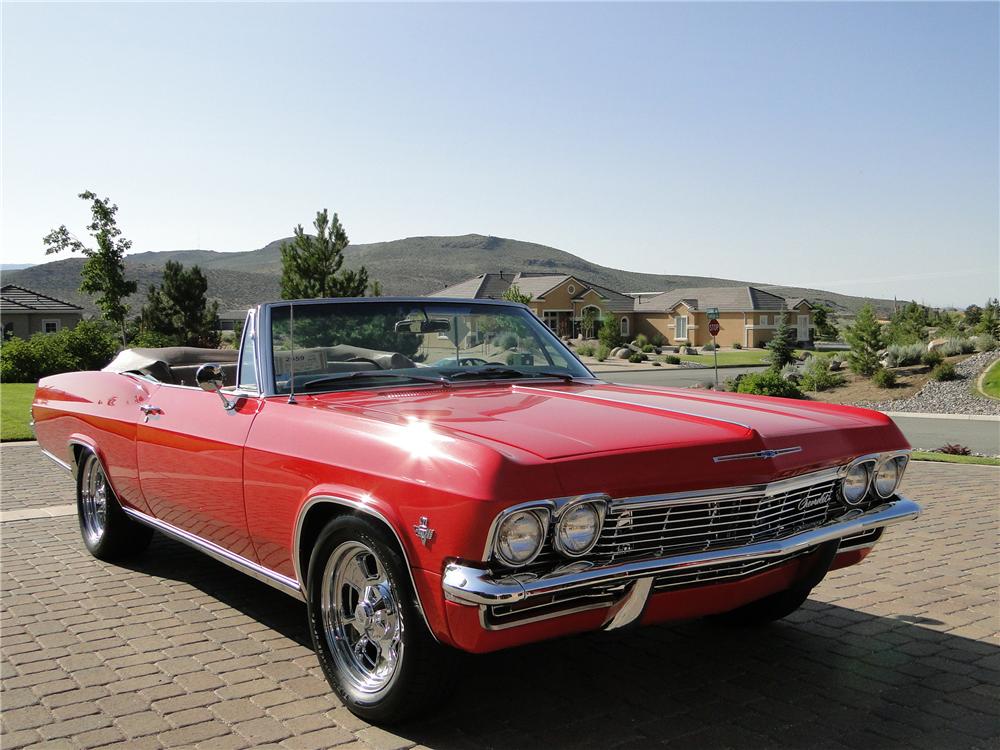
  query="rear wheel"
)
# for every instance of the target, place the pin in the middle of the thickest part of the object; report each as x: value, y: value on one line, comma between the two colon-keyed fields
x: 368, y: 633
x: 107, y: 532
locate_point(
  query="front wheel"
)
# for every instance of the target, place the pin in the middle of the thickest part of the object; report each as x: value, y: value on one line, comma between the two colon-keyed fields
x: 107, y: 532
x: 368, y: 633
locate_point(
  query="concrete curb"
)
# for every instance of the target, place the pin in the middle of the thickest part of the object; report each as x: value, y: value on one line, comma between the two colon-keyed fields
x: 920, y: 415
x: 19, y: 443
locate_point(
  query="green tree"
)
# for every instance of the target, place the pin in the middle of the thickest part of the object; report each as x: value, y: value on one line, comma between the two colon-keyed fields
x: 514, y: 294
x: 376, y: 289
x: 311, y: 265
x: 179, y: 309
x: 973, y: 314
x: 782, y: 344
x: 589, y: 319
x: 909, y: 324
x: 609, y: 333
x: 823, y: 320
x: 989, y: 321
x: 865, y: 338
x: 103, y: 272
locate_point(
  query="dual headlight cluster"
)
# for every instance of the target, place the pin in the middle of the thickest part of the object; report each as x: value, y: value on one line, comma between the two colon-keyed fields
x: 879, y: 473
x: 521, y: 533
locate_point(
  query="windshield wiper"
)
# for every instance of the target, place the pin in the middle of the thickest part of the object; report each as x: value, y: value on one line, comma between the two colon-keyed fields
x: 509, y: 372
x: 360, y: 374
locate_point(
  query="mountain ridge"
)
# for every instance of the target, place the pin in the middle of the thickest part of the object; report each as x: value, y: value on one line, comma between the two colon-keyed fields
x: 410, y: 266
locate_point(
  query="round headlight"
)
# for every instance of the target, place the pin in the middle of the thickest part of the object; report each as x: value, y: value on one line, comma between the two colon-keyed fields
x: 855, y: 485
x: 519, y: 538
x: 578, y: 529
x: 888, y: 476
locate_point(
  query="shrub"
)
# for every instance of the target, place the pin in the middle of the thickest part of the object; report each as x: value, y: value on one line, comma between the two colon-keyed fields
x: 603, y: 352
x: 648, y: 348
x: 791, y: 372
x: 769, y: 383
x: 899, y: 355
x: 585, y: 350
x: 737, y: 345
x: 637, y: 357
x: 954, y: 347
x: 656, y: 340
x: 708, y: 348
x: 609, y: 334
x: 932, y: 359
x: 954, y: 449
x: 641, y: 341
x: 985, y: 343
x: 90, y: 345
x: 884, y: 378
x: 818, y: 376
x: 672, y: 359
x: 944, y: 371
x: 507, y: 341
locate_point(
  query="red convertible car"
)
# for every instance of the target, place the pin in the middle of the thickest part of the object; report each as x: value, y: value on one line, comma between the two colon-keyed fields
x: 499, y: 496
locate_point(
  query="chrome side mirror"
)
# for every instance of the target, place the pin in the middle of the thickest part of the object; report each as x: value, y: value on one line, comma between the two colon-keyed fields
x: 211, y: 378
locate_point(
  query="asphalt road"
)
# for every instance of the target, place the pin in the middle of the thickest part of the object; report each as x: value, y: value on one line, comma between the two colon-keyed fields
x: 980, y: 436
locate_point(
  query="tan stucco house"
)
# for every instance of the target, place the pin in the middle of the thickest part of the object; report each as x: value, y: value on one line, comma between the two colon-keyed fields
x: 558, y: 299
x: 24, y: 312
x: 748, y: 316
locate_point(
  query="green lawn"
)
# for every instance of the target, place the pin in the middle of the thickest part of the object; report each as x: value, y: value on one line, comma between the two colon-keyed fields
x: 948, y: 458
x: 991, y: 382
x: 15, y: 402
x: 728, y: 357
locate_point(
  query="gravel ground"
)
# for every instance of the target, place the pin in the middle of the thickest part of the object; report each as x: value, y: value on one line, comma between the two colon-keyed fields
x: 949, y: 397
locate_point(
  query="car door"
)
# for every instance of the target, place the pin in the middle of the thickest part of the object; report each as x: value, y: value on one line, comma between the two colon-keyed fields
x: 190, y: 458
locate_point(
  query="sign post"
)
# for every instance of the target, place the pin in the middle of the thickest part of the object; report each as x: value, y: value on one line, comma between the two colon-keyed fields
x: 714, y: 328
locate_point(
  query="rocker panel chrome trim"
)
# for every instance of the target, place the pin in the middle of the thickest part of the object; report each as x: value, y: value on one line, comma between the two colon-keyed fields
x: 55, y: 459
x: 254, y: 570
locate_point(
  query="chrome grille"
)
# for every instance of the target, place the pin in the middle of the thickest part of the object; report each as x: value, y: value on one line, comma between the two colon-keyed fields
x: 633, y: 531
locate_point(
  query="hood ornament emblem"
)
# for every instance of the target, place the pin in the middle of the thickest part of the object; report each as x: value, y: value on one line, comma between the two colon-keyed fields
x: 424, y: 532
x: 769, y: 453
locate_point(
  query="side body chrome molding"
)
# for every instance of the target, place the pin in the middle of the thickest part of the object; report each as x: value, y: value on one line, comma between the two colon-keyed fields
x: 283, y: 583
x: 58, y: 461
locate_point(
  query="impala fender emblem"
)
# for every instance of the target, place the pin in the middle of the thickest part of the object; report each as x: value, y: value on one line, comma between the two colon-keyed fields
x: 424, y: 532
x: 768, y: 453
x: 812, y: 502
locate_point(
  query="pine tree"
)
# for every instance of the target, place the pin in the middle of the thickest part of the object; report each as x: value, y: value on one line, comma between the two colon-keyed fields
x: 782, y: 344
x: 311, y: 264
x: 103, y: 273
x: 823, y: 320
x: 180, y: 310
x: 865, y: 338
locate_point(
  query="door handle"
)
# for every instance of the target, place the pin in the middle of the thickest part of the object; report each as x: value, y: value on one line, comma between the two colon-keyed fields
x: 148, y: 409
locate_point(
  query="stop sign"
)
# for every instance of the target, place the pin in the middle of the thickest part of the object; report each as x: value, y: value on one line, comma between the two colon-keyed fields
x: 714, y: 327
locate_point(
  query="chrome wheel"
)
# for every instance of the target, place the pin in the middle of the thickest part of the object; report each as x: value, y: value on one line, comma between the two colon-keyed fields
x: 93, y: 500
x: 361, y: 620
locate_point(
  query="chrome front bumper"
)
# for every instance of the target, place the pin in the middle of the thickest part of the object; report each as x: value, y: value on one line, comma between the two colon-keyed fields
x: 475, y: 586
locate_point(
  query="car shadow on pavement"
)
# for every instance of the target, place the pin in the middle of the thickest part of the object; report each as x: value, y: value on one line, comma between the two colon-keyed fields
x: 826, y: 677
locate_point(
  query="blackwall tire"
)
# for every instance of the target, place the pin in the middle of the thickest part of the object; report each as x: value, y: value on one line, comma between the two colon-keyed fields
x: 366, y: 628
x: 107, y: 532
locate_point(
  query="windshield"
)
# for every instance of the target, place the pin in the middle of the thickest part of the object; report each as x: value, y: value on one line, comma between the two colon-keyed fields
x: 335, y: 346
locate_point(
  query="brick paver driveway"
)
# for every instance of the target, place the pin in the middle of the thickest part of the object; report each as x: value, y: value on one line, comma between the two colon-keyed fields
x: 901, y: 651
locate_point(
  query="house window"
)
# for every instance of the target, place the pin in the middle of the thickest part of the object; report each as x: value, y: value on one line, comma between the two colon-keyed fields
x: 50, y: 326
x: 624, y: 326
x: 681, y: 327
x: 551, y: 319
x: 763, y: 320
x: 571, y: 289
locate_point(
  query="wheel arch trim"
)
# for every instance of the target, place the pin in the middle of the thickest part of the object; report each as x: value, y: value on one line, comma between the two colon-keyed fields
x: 352, y: 506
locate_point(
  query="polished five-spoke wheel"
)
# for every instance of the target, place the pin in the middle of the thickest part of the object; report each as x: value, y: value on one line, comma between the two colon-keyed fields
x: 361, y: 618
x: 366, y: 626
x: 93, y: 500
x: 107, y: 532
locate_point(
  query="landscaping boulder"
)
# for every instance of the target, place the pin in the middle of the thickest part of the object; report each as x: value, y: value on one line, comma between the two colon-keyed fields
x: 623, y: 353
x: 934, y: 344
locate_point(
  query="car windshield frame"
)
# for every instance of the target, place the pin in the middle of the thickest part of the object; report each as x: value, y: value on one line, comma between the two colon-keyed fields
x: 268, y: 313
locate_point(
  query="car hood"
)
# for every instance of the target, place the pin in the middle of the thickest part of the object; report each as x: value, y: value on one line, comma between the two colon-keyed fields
x: 562, y: 421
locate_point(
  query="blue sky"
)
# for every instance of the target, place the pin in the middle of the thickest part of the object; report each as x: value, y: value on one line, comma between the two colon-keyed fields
x: 851, y: 147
